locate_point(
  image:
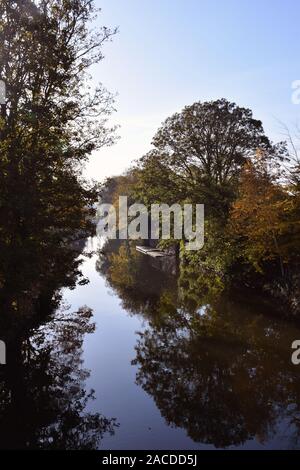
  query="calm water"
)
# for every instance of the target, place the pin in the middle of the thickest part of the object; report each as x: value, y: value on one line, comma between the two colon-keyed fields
x: 222, y: 378
x: 168, y: 370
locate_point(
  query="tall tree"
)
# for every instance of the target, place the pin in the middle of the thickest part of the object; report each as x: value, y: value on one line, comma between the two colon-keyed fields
x: 198, y: 153
x: 52, y: 120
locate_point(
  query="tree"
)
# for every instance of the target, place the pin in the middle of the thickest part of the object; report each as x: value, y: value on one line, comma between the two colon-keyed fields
x: 198, y: 154
x: 258, y: 216
x: 51, y: 122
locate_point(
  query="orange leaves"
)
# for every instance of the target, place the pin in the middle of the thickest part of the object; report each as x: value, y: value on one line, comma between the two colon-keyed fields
x: 257, y: 216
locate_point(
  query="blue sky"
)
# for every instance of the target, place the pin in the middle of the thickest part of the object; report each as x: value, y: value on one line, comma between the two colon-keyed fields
x: 170, y: 53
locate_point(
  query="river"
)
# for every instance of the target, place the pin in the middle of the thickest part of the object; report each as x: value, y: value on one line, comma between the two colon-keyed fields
x: 214, y: 378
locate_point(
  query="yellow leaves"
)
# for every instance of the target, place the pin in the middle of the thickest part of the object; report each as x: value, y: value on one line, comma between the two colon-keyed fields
x: 120, y: 267
x: 260, y: 216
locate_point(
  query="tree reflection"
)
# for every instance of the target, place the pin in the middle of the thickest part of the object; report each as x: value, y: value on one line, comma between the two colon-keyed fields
x: 43, y: 397
x: 223, y: 377
x: 142, y: 287
x: 44, y: 400
x: 220, y: 370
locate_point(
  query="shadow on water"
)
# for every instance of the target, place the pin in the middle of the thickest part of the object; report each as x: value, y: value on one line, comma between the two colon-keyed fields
x: 220, y: 370
x: 43, y: 395
x: 216, y: 367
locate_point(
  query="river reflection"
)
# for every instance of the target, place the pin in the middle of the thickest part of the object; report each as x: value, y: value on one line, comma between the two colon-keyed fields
x: 43, y: 393
x: 221, y: 371
x: 139, y: 358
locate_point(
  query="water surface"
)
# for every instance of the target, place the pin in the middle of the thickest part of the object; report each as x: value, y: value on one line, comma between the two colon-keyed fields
x: 175, y: 377
x: 140, y: 358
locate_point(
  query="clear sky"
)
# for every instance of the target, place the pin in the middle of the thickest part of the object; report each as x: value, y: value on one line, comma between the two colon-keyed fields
x: 171, y: 53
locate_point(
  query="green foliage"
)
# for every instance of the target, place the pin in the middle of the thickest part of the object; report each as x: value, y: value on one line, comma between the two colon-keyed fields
x: 198, y: 155
x: 51, y: 122
x: 216, y: 154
